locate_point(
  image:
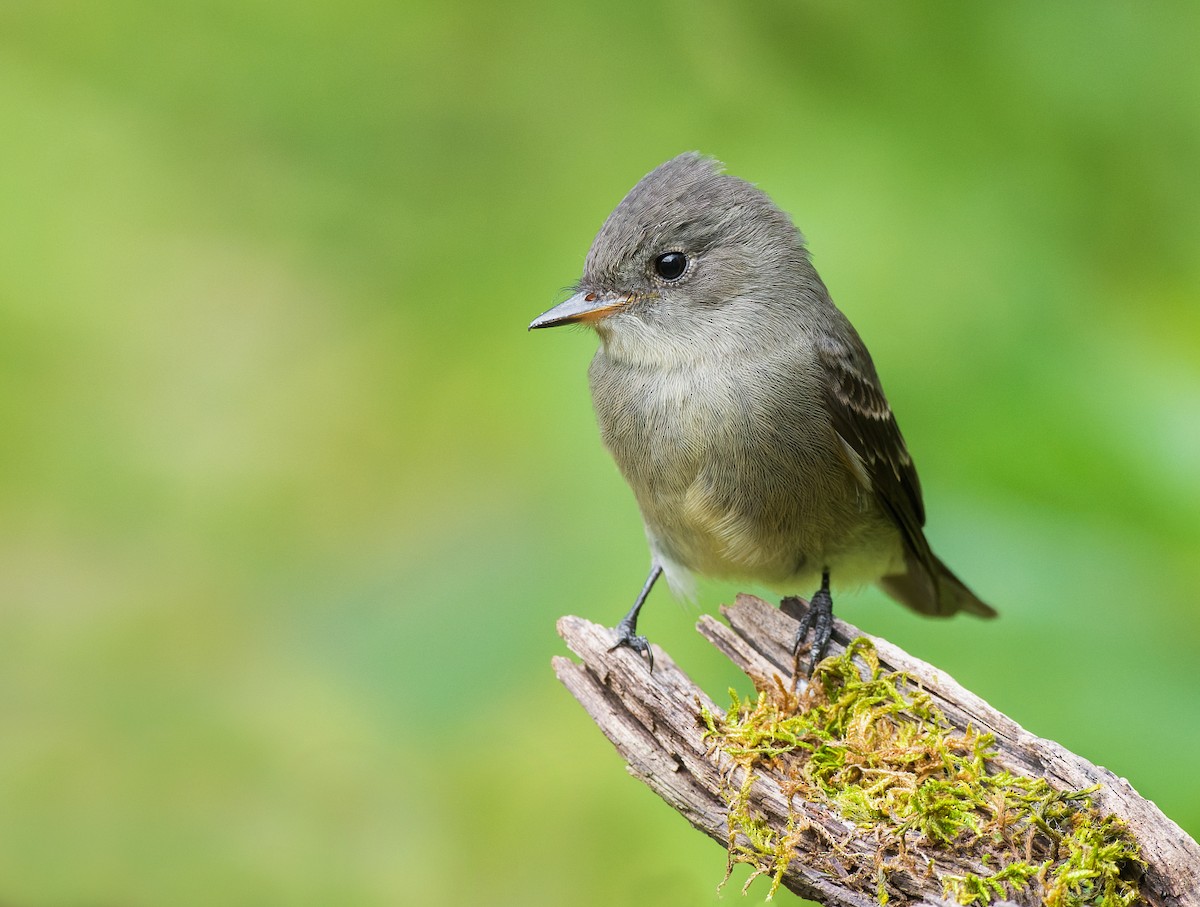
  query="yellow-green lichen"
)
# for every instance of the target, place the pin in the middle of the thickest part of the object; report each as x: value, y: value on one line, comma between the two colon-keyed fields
x: 879, y: 752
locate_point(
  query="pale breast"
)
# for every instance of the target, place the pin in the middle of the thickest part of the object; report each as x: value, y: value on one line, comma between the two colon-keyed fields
x: 736, y: 474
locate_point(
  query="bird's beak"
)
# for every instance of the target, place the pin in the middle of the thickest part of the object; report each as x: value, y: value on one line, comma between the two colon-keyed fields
x: 583, y: 306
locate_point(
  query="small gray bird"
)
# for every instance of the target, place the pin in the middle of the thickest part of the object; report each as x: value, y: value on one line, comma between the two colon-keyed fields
x: 742, y: 407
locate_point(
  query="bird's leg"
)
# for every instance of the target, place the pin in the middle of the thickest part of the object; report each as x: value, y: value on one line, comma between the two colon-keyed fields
x: 819, y: 619
x: 627, y: 629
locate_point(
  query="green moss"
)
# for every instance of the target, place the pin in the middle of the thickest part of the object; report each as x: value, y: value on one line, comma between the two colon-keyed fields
x: 877, y: 750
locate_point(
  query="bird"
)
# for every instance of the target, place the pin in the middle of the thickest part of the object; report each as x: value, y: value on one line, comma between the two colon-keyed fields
x: 742, y: 407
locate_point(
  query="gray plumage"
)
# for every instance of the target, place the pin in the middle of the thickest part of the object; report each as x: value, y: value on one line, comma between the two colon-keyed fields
x: 741, y: 405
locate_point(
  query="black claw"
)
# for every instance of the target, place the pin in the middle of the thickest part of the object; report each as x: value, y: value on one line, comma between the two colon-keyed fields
x: 819, y: 619
x: 627, y: 637
x: 626, y: 631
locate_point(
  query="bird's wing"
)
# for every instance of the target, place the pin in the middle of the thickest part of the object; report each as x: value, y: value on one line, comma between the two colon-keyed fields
x: 862, y: 417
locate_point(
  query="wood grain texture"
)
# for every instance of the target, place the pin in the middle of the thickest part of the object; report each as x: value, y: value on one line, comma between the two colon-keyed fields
x: 653, y: 720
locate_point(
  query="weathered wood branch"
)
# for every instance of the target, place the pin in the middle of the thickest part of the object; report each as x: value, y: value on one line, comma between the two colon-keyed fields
x: 653, y: 719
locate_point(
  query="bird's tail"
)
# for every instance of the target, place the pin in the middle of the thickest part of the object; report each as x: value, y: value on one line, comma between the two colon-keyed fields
x: 933, y: 590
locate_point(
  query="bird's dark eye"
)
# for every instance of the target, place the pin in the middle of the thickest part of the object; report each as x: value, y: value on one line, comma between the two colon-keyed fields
x: 670, y: 265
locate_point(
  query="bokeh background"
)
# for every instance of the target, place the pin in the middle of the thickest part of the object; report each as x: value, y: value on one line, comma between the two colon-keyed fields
x: 290, y: 500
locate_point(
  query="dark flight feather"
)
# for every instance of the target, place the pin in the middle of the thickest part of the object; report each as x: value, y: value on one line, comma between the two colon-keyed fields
x: 862, y: 417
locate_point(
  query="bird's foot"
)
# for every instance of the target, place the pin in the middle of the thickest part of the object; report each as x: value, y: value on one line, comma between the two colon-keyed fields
x: 628, y: 637
x: 819, y: 619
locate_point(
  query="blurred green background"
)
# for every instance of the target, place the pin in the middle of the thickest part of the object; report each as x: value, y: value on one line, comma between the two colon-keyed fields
x: 290, y: 500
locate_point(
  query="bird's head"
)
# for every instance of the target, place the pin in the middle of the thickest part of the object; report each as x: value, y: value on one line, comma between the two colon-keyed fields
x: 689, y: 254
